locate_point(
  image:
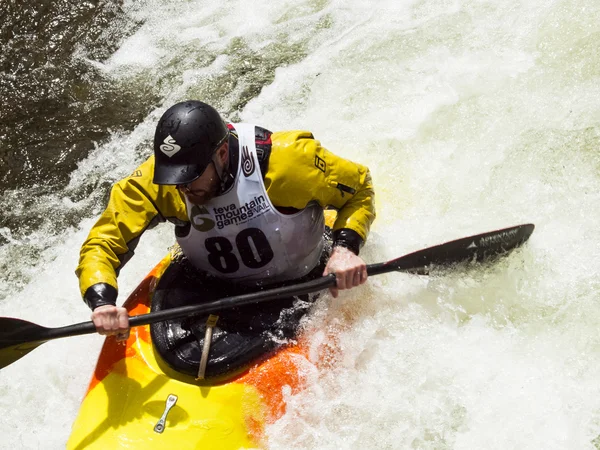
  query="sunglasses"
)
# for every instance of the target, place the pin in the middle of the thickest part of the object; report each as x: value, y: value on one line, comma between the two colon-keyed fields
x: 187, y: 188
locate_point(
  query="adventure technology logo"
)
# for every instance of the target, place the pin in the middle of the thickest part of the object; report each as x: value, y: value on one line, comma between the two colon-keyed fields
x: 487, y: 241
x: 169, y: 147
x: 247, y: 162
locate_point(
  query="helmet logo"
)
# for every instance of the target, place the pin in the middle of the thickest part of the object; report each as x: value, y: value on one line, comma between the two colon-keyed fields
x: 247, y: 162
x: 169, y: 147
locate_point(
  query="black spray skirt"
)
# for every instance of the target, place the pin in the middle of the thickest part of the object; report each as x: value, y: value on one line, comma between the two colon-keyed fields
x: 242, y: 337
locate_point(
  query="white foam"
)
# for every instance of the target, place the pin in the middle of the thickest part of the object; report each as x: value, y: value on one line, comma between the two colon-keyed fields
x: 472, y: 116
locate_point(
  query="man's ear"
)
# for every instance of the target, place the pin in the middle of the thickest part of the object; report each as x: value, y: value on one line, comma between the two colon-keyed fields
x: 223, y: 154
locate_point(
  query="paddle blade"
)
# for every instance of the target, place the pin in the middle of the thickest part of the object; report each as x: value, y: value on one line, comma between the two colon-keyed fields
x: 17, y: 338
x: 481, y: 247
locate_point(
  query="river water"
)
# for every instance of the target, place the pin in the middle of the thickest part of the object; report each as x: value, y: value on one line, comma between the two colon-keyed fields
x: 472, y: 115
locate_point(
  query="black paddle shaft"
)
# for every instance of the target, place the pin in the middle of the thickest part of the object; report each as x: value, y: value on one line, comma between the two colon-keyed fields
x: 19, y: 337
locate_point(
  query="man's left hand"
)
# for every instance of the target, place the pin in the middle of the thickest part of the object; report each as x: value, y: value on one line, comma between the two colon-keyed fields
x: 350, y: 270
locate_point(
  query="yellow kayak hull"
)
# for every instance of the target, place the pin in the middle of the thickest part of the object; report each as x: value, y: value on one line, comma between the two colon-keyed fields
x: 128, y: 391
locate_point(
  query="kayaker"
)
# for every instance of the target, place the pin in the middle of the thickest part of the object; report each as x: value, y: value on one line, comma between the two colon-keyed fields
x: 247, y: 205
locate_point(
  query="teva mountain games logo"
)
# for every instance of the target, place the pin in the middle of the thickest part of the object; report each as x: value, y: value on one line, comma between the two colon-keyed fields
x: 232, y: 214
x: 238, y: 214
x: 247, y: 162
x: 169, y: 146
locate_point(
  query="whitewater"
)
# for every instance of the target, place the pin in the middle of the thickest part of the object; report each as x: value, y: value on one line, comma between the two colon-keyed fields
x: 472, y: 115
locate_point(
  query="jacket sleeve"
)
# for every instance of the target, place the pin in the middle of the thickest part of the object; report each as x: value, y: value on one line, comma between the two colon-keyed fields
x: 135, y: 205
x: 300, y: 171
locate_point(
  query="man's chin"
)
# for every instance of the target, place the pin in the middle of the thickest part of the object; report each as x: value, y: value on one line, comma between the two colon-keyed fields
x: 195, y: 201
x: 199, y: 201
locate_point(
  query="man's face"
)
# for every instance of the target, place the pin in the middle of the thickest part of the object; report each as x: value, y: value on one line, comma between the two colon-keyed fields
x: 204, y: 188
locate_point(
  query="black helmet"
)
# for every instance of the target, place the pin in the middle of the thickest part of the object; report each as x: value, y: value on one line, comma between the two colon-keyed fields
x: 186, y: 138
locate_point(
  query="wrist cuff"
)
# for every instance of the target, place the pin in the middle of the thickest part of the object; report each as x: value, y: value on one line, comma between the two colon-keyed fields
x: 100, y: 294
x: 350, y: 239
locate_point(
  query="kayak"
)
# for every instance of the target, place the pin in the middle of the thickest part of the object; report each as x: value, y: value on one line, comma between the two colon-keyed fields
x: 131, y: 387
x: 145, y: 393
x: 142, y: 396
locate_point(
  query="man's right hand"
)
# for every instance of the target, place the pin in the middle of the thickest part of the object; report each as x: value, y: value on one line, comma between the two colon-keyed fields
x: 111, y: 320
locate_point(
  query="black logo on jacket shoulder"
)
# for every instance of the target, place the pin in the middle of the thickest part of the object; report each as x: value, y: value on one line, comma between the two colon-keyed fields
x: 263, y: 146
x: 320, y: 164
x: 247, y: 162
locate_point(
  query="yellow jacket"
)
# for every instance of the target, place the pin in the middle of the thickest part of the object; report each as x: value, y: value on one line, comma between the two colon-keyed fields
x: 299, y: 171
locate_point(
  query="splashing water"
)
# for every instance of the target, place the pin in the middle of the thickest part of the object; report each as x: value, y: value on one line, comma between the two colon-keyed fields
x: 472, y: 115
